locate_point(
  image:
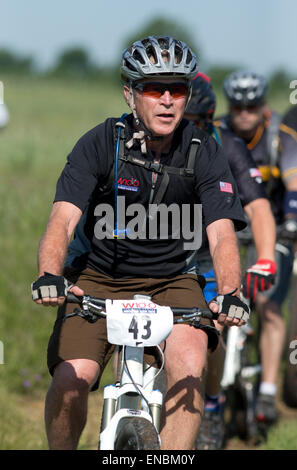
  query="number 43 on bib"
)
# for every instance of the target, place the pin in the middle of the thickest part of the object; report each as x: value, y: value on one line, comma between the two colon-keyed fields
x: 137, y: 322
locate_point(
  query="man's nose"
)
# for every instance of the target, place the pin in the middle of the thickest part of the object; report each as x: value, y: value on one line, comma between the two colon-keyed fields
x: 244, y: 112
x: 166, y: 98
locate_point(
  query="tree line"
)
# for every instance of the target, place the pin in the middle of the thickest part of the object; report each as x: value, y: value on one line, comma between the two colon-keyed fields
x: 76, y: 62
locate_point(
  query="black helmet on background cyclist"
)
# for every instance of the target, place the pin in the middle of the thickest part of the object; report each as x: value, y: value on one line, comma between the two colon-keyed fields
x: 202, y: 104
x: 245, y: 88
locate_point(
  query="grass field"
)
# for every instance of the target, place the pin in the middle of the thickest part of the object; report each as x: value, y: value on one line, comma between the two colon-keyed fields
x: 47, y: 118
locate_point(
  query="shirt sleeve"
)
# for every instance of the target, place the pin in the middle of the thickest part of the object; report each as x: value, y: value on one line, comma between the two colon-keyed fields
x: 244, y: 169
x: 85, y: 166
x: 216, y: 187
x: 288, y: 154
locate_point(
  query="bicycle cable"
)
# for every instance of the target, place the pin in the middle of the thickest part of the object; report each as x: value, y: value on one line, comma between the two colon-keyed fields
x: 160, y: 368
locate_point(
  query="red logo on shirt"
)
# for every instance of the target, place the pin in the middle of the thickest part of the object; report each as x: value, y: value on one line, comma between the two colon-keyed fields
x: 131, y: 184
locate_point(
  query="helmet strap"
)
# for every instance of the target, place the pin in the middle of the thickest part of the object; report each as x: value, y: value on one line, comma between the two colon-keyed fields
x: 144, y: 132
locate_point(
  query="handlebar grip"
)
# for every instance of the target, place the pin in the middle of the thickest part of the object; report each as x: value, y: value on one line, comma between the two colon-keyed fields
x: 211, y: 315
x: 74, y: 299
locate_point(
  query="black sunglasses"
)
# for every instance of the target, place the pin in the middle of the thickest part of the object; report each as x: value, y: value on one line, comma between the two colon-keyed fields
x: 157, y: 89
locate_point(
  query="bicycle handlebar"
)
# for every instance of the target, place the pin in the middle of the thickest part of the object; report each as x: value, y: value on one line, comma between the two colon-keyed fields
x: 95, y: 306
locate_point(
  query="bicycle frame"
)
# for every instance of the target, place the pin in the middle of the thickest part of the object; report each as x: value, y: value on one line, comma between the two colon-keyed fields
x: 236, y: 339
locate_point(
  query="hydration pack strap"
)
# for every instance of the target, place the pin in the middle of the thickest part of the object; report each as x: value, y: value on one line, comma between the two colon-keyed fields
x: 188, y: 171
x: 159, y: 168
x: 273, y: 139
x: 272, y: 148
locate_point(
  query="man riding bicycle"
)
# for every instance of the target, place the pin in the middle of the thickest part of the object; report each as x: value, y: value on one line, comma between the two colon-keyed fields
x: 274, y: 150
x: 252, y: 194
x: 149, y: 158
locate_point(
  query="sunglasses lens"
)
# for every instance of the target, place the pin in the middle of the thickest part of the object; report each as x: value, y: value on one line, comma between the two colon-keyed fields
x: 156, y: 90
x: 178, y: 90
x: 153, y: 90
x: 250, y: 108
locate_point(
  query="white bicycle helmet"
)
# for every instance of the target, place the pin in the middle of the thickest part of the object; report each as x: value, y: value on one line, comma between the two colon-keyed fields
x: 245, y: 88
x: 158, y: 56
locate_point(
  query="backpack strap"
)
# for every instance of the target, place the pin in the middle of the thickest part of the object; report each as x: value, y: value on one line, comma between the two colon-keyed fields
x: 188, y: 171
x: 119, y: 133
x: 194, y: 148
x: 272, y: 140
x: 272, y: 143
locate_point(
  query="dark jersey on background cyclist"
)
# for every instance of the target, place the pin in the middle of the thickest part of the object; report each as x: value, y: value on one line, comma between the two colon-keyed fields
x: 290, y: 119
x: 165, y: 160
x: 274, y: 150
x: 252, y: 194
x: 289, y: 125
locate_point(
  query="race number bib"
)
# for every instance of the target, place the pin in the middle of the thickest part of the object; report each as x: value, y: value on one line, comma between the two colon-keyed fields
x: 138, y: 322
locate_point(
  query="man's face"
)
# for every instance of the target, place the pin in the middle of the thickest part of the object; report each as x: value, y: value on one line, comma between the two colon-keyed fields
x: 246, y: 119
x: 158, y: 107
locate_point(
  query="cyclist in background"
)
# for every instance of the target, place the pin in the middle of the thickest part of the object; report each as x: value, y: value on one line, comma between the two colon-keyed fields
x: 274, y: 149
x: 155, y: 147
x: 251, y: 190
x: 290, y: 119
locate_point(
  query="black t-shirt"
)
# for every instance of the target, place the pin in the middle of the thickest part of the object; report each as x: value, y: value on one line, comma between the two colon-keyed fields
x: 245, y: 172
x: 290, y: 118
x: 271, y: 174
x: 87, y: 169
x: 243, y: 167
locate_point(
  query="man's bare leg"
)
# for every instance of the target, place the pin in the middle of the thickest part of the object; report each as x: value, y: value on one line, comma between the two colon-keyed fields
x: 67, y: 402
x: 273, y: 332
x: 185, y: 361
x: 215, y: 366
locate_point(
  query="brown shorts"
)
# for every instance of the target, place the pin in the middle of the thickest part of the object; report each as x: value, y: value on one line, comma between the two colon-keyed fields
x: 75, y: 338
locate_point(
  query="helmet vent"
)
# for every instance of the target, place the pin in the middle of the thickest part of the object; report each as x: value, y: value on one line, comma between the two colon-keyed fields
x: 189, y: 57
x: 164, y: 43
x: 151, y: 53
x: 138, y: 56
x: 165, y: 56
x: 178, y: 54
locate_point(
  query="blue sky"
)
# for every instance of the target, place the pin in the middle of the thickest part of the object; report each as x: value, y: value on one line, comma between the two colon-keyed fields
x: 257, y: 34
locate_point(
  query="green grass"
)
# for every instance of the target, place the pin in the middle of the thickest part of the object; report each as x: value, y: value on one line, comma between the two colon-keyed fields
x: 47, y: 118
x: 282, y: 437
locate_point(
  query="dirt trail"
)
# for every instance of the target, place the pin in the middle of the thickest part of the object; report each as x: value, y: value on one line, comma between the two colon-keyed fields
x: 33, y: 410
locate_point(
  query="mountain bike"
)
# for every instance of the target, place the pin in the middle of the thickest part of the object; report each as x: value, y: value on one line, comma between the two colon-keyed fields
x: 240, y: 374
x: 243, y: 368
x: 131, y: 407
x: 240, y: 379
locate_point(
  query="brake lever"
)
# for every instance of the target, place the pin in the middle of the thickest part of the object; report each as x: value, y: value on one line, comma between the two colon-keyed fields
x: 85, y: 314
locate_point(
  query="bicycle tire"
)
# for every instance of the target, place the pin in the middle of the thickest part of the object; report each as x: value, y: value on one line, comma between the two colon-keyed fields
x: 290, y: 375
x: 137, y: 434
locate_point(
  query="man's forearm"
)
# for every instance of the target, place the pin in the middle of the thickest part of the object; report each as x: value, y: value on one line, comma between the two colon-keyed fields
x: 226, y: 261
x: 263, y: 228
x: 52, y: 250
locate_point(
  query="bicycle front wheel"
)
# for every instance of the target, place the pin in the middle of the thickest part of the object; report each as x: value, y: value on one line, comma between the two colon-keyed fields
x: 137, y: 434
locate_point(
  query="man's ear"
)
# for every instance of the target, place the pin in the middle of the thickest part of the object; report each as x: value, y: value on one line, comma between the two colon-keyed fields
x: 127, y: 94
x: 129, y: 97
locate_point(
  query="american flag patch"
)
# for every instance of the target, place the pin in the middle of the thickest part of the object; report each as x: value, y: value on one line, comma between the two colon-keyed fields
x: 226, y: 187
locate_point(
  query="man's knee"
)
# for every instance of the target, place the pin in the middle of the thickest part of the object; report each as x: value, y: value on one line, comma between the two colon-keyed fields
x: 189, y: 358
x: 269, y: 310
x: 75, y: 376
